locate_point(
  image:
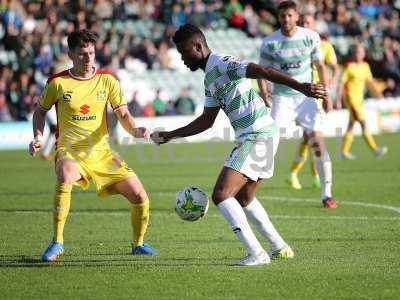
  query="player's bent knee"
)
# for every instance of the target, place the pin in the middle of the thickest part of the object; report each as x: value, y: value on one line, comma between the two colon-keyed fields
x: 220, y: 195
x: 67, y: 173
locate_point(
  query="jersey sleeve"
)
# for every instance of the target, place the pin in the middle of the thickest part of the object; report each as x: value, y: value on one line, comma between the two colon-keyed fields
x: 265, y: 56
x: 115, y: 95
x: 49, y: 96
x: 209, y: 101
x: 316, y: 53
x: 233, y: 67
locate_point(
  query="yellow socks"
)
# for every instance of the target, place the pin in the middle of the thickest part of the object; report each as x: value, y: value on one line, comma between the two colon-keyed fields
x: 369, y: 140
x: 300, y: 158
x: 314, y: 171
x: 347, y: 141
x: 140, y: 219
x: 62, y: 201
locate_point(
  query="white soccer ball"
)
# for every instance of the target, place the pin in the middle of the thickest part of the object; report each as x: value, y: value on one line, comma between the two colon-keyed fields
x: 191, y: 204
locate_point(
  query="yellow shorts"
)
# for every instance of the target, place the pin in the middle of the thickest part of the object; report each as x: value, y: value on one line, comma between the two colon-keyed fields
x: 356, y: 110
x: 104, y: 167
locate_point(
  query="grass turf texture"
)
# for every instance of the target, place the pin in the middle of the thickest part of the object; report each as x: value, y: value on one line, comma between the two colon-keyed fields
x: 352, y: 252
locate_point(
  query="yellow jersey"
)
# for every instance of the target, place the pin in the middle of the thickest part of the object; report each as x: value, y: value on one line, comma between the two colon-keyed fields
x: 81, y: 106
x: 328, y: 58
x: 355, y: 76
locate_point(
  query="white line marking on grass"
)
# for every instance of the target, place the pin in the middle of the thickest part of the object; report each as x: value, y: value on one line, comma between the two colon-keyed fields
x: 273, y: 198
x: 382, y: 206
x: 295, y: 199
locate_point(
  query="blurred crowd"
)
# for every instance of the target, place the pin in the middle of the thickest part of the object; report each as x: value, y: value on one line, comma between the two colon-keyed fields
x: 136, y: 34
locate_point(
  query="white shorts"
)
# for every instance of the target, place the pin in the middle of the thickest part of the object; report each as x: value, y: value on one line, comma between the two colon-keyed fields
x: 303, y: 110
x: 51, y: 116
x: 254, y: 158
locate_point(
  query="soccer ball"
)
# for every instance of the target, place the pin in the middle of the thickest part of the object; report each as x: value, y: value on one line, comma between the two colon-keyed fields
x: 191, y: 204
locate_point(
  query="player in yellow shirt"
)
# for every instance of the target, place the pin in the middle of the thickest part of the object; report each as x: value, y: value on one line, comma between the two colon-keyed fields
x: 330, y: 60
x: 356, y: 75
x: 81, y: 95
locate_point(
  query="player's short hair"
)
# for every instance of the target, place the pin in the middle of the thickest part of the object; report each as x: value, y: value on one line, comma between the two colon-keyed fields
x: 80, y: 38
x: 187, y: 32
x: 288, y: 4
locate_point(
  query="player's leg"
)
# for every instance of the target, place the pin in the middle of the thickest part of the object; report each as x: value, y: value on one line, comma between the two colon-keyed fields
x: 132, y: 189
x: 348, y: 136
x: 360, y: 117
x: 256, y: 213
x: 228, y: 184
x: 311, y: 118
x: 67, y: 173
x: 324, y: 167
x: 298, y: 163
x: 314, y: 173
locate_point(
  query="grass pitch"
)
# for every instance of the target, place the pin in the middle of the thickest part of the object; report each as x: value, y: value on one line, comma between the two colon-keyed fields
x: 352, y: 252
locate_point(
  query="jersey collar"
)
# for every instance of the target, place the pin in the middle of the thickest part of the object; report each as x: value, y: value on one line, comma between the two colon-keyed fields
x: 82, y: 78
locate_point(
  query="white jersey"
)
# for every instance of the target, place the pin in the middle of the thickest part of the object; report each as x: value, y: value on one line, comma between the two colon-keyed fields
x: 226, y: 86
x: 292, y: 55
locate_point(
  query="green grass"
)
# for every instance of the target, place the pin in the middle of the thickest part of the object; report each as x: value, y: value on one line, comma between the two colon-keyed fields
x: 349, y: 253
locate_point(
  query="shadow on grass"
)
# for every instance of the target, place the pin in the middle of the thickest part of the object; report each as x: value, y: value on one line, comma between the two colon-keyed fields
x: 128, y: 261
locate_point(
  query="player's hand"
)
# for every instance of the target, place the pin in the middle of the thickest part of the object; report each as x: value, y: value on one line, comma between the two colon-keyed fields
x: 313, y: 90
x: 160, y: 137
x: 142, y: 132
x: 35, y: 145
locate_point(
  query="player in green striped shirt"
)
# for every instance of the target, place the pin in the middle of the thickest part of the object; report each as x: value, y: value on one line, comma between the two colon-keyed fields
x: 227, y: 87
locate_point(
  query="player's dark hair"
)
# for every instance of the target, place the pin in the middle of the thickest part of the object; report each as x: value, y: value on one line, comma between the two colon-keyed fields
x: 80, y: 38
x: 187, y: 32
x: 289, y: 4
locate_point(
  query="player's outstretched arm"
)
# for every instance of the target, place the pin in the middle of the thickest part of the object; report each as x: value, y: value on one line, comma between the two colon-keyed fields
x: 127, y: 121
x: 200, y: 124
x: 256, y: 71
x: 38, y: 122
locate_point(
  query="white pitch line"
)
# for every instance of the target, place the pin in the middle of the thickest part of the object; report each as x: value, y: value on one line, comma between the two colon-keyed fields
x: 345, y: 202
x: 273, y: 198
x: 294, y: 199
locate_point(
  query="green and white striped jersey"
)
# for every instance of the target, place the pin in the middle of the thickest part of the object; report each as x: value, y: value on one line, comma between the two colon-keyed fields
x: 291, y: 55
x: 226, y: 86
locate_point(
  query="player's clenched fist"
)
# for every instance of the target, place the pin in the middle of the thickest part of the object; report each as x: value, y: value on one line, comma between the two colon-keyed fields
x: 35, y: 145
x: 159, y: 137
x: 142, y: 132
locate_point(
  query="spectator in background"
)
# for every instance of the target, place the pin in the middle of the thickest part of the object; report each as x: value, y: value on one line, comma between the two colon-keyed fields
x: 184, y: 104
x: 252, y: 21
x: 163, y: 56
x: 134, y: 106
x: 198, y: 14
x: 159, y: 105
x: 148, y: 110
x: 5, y: 115
x: 233, y: 12
x: 178, y: 16
x: 170, y: 110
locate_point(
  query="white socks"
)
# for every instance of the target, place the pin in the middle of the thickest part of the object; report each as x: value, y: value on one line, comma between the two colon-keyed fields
x: 234, y: 214
x: 259, y: 217
x: 324, y: 167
